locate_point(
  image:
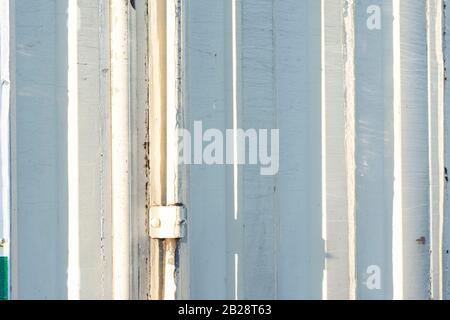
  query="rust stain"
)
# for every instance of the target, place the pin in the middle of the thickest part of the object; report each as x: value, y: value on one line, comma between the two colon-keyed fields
x: 421, y: 240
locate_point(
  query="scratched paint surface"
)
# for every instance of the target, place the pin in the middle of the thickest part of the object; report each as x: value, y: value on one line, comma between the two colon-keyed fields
x: 335, y: 222
x: 41, y: 148
x: 323, y: 227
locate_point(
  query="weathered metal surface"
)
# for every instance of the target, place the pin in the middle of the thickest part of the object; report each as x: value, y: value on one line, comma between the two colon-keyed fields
x: 356, y: 89
x: 358, y: 208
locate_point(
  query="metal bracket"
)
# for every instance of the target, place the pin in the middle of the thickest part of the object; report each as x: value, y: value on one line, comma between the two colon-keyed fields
x: 167, y: 222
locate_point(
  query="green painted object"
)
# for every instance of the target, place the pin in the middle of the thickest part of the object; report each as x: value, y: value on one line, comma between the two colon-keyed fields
x: 4, y: 278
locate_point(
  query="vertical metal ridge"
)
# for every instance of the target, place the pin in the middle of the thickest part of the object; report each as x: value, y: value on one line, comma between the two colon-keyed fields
x: 324, y: 146
x: 236, y: 229
x: 235, y: 107
x: 446, y: 140
x: 441, y: 138
x: 349, y: 62
x: 158, y: 100
x: 338, y: 153
x: 172, y: 52
x: 436, y: 139
x: 140, y: 157
x: 397, y: 226
x: 411, y: 183
x: 120, y: 148
x: 73, y: 274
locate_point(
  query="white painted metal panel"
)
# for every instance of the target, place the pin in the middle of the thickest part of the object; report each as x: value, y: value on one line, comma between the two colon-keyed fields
x: 411, y: 160
x: 359, y: 143
x: 41, y: 149
x: 436, y: 80
x: 298, y: 206
x: 209, y: 193
x: 89, y: 151
x: 359, y: 194
x: 5, y: 108
x: 336, y: 187
x: 257, y: 216
x: 62, y: 148
x: 374, y: 147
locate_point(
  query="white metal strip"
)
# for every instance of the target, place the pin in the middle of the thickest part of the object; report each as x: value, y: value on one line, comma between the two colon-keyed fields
x: 258, y: 224
x: 436, y: 74
x: 120, y: 148
x: 349, y: 70
x: 297, y: 65
x: 172, y: 96
x: 208, y: 98
x: 374, y: 148
x: 73, y: 270
x: 5, y: 105
x: 397, y: 225
x: 411, y: 237
x: 336, y: 171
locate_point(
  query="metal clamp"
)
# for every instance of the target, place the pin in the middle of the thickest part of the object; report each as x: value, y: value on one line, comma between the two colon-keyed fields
x: 167, y: 222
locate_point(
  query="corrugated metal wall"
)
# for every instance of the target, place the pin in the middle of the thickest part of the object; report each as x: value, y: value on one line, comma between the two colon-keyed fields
x: 358, y: 208
x: 357, y: 91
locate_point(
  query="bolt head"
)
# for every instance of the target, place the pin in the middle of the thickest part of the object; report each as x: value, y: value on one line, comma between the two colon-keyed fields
x: 156, y: 223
